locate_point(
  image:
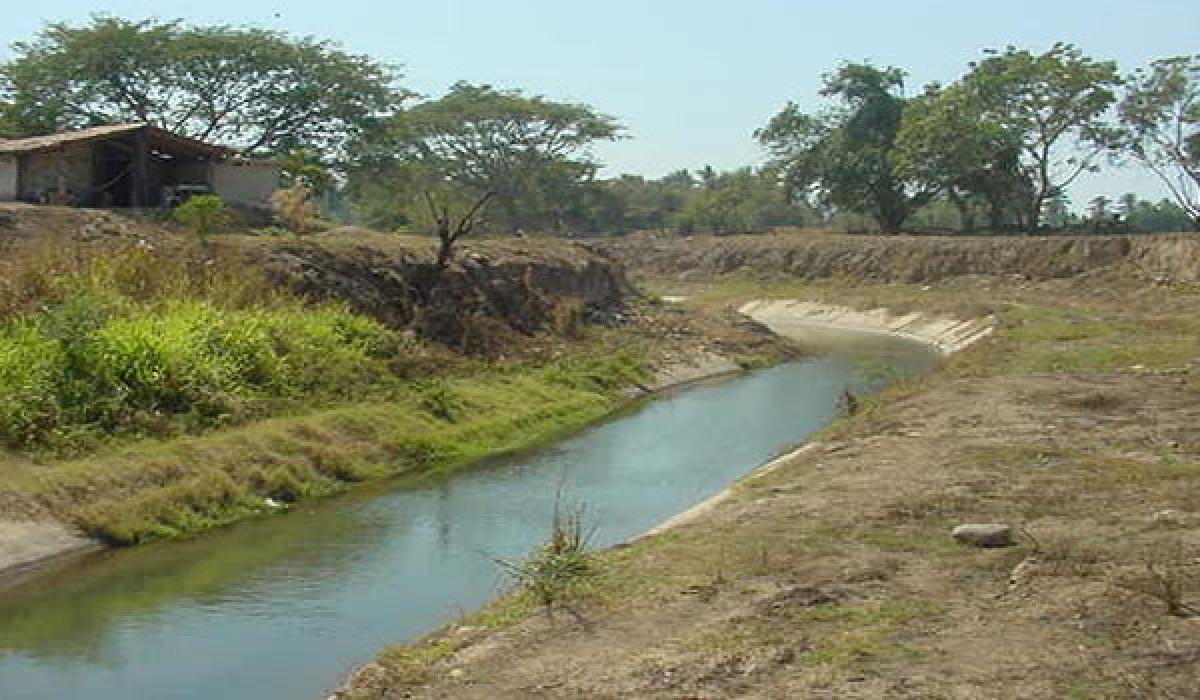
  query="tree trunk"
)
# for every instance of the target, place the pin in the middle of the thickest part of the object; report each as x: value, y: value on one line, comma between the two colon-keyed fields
x: 966, y: 223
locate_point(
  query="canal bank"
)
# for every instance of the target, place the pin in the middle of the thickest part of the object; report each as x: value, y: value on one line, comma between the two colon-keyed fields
x: 282, y: 606
x: 835, y: 575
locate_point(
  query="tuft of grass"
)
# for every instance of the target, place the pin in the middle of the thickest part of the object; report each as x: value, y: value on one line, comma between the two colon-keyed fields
x: 562, y: 566
x: 410, y: 665
x: 1168, y: 575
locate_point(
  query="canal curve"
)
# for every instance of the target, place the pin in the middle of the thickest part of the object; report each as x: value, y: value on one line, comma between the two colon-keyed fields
x: 283, y: 607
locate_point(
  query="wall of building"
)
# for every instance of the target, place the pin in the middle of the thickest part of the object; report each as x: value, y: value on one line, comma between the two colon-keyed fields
x: 8, y: 178
x: 247, y: 184
x: 63, y: 175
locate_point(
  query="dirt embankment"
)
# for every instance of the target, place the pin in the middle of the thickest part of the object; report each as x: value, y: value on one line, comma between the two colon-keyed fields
x: 491, y: 290
x: 835, y: 573
x: 523, y: 303
x: 491, y: 286
x: 913, y: 259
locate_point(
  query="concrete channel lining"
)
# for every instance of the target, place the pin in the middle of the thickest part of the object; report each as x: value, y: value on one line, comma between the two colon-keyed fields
x: 946, y: 335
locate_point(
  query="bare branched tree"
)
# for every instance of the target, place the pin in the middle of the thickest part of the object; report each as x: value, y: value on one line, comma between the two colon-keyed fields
x: 448, y: 232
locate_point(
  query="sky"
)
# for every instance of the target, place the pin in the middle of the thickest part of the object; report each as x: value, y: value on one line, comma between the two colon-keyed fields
x: 690, y: 81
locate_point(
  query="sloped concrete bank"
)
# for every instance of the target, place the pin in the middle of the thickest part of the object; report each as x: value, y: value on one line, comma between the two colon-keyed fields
x: 803, y: 320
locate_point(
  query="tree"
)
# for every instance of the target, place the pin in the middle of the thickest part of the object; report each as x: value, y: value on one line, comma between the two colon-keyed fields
x: 256, y: 90
x: 740, y: 201
x: 1056, y: 210
x: 450, y: 231
x: 304, y: 167
x: 1161, y: 119
x: 534, y: 154
x: 944, y: 138
x: 1166, y: 216
x: 1052, y: 105
x: 844, y: 157
x: 1098, y: 208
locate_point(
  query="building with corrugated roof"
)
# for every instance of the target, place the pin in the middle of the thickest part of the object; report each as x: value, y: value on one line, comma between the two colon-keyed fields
x: 128, y: 165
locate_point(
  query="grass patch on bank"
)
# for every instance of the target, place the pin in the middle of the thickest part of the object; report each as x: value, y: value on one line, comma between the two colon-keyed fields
x: 185, y: 486
x: 91, y: 369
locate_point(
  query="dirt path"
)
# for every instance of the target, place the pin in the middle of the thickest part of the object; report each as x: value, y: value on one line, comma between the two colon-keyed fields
x: 835, y: 576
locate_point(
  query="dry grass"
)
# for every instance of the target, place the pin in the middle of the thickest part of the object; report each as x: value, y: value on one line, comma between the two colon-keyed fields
x: 49, y: 270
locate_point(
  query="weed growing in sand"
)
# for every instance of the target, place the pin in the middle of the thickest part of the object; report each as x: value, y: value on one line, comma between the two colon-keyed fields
x: 561, y: 567
x: 1168, y: 575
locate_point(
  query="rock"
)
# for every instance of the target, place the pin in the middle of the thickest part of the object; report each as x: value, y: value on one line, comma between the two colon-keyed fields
x: 1170, y: 516
x: 457, y: 673
x: 985, y: 535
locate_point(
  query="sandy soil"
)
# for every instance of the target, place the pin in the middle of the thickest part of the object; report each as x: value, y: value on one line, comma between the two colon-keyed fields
x: 835, y: 576
x: 25, y: 543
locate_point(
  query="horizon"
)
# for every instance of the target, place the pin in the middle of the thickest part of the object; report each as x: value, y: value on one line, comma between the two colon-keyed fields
x: 656, y: 72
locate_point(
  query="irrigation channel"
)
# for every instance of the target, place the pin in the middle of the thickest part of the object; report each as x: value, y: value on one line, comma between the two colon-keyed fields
x: 283, y: 607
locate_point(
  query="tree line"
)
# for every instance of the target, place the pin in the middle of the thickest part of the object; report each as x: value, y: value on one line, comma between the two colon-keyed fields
x: 994, y: 150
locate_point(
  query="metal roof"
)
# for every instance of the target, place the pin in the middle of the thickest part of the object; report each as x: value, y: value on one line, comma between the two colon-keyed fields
x: 159, y: 139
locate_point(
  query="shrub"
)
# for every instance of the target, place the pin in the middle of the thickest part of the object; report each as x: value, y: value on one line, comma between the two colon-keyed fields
x: 294, y: 208
x: 30, y: 371
x: 204, y: 215
x: 562, y: 565
x: 91, y: 365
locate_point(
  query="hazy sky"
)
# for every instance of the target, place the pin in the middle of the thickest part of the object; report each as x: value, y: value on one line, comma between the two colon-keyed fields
x: 690, y: 80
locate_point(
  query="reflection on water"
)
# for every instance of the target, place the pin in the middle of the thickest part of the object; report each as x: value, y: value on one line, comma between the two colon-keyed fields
x: 283, y: 606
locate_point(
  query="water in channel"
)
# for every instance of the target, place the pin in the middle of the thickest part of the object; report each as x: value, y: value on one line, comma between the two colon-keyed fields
x: 283, y: 607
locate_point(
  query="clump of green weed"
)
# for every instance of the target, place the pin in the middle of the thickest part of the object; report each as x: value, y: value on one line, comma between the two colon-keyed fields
x: 410, y: 665
x: 596, y: 372
x: 92, y: 366
x: 436, y: 397
x: 204, y: 215
x: 562, y: 566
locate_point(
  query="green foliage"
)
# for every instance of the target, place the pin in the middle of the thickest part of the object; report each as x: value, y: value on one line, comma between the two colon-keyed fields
x: 1161, y: 118
x: 601, y: 372
x: 532, y: 152
x: 204, y: 215
x: 255, y: 89
x: 1163, y: 217
x: 151, y: 491
x: 304, y: 167
x: 438, y: 399
x: 90, y: 367
x: 1052, y: 106
x: 944, y: 139
x: 843, y: 158
x: 741, y: 201
x: 560, y: 567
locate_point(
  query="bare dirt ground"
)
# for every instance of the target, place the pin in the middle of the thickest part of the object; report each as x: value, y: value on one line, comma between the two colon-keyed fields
x: 836, y: 576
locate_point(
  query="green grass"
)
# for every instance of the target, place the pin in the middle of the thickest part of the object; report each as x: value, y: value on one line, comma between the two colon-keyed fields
x: 184, y: 486
x: 1060, y: 340
x: 92, y: 368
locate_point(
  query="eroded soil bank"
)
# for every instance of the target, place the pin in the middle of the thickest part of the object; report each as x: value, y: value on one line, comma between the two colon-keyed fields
x: 513, y: 344
x: 835, y: 575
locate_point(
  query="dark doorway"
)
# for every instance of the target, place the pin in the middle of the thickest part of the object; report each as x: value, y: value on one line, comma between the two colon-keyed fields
x: 114, y: 174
